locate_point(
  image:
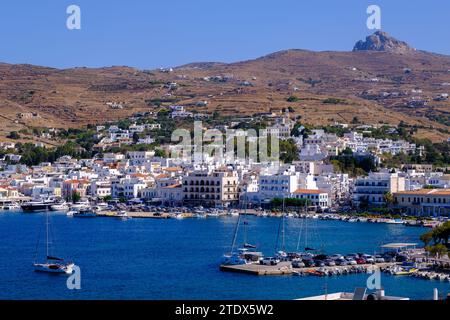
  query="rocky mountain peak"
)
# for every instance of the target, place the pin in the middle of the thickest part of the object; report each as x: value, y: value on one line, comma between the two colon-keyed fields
x: 381, y: 41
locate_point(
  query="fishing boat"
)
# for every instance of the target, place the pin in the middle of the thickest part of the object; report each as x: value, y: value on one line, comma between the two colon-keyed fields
x: 52, y: 264
x: 84, y: 213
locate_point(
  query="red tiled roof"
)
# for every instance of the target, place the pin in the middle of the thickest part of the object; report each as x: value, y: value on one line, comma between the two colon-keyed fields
x: 426, y: 192
x: 308, y: 191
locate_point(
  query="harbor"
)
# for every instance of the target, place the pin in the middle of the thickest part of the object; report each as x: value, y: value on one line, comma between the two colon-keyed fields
x: 155, y: 247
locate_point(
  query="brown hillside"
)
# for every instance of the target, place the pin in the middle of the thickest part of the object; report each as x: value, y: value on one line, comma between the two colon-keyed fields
x: 374, y: 86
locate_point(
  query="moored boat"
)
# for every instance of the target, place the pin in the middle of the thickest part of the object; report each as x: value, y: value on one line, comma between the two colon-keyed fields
x: 54, y: 267
x: 38, y: 205
x: 52, y: 264
x: 11, y: 206
x: 84, y: 213
x: 63, y: 206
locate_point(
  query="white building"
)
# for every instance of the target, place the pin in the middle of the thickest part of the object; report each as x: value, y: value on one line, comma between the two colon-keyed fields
x: 317, y: 198
x: 127, y: 188
x: 372, y: 189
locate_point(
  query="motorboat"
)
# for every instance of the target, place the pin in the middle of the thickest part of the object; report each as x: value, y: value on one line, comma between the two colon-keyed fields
x: 394, y: 221
x: 63, y: 206
x: 84, y: 213
x: 102, y: 206
x: 38, y: 205
x: 80, y: 205
x: 70, y: 213
x: 122, y: 215
x: 9, y: 206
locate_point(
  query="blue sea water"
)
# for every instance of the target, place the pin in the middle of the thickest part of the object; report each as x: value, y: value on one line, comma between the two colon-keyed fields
x: 179, y: 259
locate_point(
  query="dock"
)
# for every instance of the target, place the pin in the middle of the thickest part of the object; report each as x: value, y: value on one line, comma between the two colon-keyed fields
x: 285, y: 268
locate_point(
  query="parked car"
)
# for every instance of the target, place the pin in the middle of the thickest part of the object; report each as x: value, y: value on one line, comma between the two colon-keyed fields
x: 379, y: 259
x: 336, y: 256
x: 330, y: 262
x: 309, y: 263
x: 360, y: 261
x: 297, y: 263
x: 352, y: 262
x: 319, y: 263
x: 341, y: 262
x: 269, y: 261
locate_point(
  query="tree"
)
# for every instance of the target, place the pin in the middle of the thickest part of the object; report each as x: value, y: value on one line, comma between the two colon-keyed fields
x: 288, y: 151
x: 135, y: 137
x: 438, y: 250
x: 107, y: 198
x: 75, y: 197
x: 292, y: 99
x: 14, y: 135
x: 389, y: 199
x: 160, y: 153
x: 439, y: 235
x: 426, y: 238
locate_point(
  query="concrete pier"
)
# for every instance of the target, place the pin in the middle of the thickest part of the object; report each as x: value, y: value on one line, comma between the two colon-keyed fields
x: 285, y: 268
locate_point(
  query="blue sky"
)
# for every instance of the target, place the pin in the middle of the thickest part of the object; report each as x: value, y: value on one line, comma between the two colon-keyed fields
x: 155, y: 33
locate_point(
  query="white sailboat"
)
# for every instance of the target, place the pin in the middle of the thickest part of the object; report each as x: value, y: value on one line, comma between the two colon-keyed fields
x: 245, y: 254
x: 52, y: 264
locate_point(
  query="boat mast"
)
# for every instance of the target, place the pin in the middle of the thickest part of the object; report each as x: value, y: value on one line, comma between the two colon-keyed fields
x: 245, y: 220
x: 300, y: 231
x: 46, y: 232
x: 280, y: 230
x: 283, y: 229
x: 233, y: 243
x: 306, y: 225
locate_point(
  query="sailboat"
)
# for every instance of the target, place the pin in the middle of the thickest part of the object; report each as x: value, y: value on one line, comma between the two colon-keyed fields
x: 243, y: 255
x: 52, y: 264
x: 280, y: 252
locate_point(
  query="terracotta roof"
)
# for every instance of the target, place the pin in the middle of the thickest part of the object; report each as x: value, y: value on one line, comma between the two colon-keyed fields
x: 173, y: 186
x: 308, y: 191
x: 426, y: 192
x: 138, y: 175
x: 172, y: 169
x: 162, y: 176
x: 77, y: 181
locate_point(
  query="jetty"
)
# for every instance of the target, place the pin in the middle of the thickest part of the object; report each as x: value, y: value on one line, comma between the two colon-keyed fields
x: 282, y: 268
x: 285, y: 268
